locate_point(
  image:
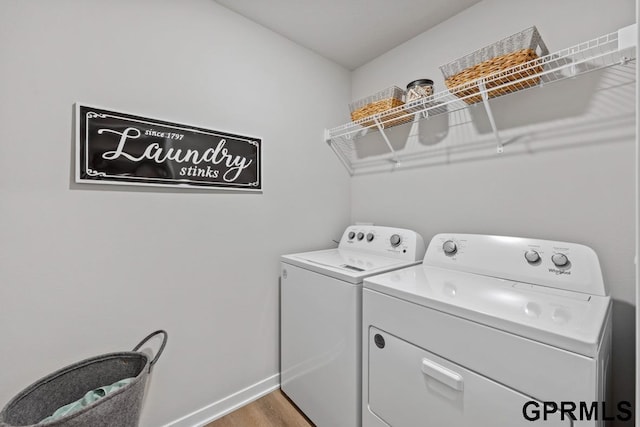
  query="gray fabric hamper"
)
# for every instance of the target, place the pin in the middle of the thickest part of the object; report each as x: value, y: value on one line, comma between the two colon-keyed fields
x: 118, y: 409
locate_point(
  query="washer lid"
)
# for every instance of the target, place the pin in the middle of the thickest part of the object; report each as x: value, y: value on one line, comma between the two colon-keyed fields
x: 344, y: 264
x: 569, y: 320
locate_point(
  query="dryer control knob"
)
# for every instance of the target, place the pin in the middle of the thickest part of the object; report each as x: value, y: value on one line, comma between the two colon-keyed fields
x: 560, y: 260
x: 449, y: 247
x: 351, y: 235
x: 532, y: 256
x: 360, y: 236
x: 370, y: 237
x: 395, y: 240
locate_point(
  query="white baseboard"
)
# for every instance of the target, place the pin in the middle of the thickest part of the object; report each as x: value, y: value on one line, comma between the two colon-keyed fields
x: 228, y: 404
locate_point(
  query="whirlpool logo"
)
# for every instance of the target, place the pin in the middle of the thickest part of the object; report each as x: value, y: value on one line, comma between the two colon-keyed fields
x: 558, y: 272
x: 582, y: 411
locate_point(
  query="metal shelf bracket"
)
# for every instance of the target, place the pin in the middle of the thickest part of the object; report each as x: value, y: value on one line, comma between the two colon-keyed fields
x: 338, y: 152
x: 394, y: 154
x: 485, y: 102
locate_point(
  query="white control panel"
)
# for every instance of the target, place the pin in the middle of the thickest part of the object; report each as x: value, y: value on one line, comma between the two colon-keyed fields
x: 560, y: 265
x: 387, y: 241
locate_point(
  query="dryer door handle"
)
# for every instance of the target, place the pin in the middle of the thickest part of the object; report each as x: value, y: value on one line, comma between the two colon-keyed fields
x: 444, y: 375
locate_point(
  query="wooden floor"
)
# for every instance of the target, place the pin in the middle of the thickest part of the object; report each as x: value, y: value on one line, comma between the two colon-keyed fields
x: 272, y: 410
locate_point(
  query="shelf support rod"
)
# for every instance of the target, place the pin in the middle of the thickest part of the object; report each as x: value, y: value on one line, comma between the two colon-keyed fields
x: 386, y: 140
x: 485, y: 101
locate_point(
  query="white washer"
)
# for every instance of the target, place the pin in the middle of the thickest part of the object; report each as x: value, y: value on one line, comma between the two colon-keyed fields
x: 321, y: 323
x: 485, y: 325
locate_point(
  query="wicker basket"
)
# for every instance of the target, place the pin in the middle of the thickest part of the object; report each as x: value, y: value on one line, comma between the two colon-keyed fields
x: 505, y: 60
x: 376, y: 105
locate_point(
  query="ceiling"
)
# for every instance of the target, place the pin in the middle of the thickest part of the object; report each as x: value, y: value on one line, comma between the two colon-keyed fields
x: 349, y: 32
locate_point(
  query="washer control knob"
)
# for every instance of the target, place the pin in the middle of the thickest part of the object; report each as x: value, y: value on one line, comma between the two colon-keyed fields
x: 395, y: 240
x: 360, y: 235
x: 449, y: 247
x: 560, y: 260
x: 561, y: 315
x: 351, y: 235
x: 370, y: 237
x: 532, y: 256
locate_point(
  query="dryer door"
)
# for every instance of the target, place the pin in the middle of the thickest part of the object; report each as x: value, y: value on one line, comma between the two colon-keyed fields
x: 409, y: 387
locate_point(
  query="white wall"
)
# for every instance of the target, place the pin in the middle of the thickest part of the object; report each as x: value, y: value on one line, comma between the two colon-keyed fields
x: 637, y: 178
x: 90, y: 269
x: 569, y: 174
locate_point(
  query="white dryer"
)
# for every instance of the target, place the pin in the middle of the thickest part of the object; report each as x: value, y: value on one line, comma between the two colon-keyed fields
x: 321, y: 323
x: 483, y: 332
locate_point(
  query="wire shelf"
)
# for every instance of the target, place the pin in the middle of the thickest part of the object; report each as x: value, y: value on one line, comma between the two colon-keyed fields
x: 601, y: 52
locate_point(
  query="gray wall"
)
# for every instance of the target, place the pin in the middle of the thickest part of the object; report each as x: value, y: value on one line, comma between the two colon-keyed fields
x: 90, y: 269
x: 568, y: 173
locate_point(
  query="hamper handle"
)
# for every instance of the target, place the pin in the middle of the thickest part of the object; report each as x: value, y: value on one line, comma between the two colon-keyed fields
x: 147, y: 338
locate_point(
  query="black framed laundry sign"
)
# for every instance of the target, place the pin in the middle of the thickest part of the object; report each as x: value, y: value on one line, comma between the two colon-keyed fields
x: 121, y: 148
